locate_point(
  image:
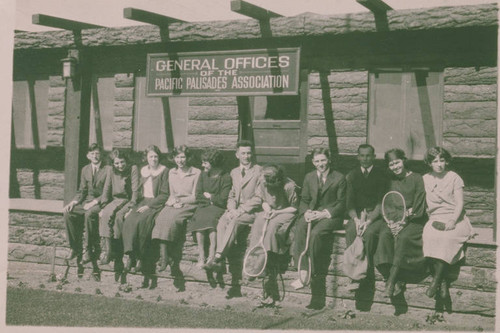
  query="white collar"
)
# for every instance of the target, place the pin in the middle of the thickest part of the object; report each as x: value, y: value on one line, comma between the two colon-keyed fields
x: 147, y: 172
x: 246, y: 168
x: 323, y: 175
x: 96, y: 166
x: 369, y: 169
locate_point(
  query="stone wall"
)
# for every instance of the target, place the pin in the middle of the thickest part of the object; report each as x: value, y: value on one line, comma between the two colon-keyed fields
x: 212, y: 122
x: 123, y: 110
x: 470, y: 111
x: 33, y: 236
x: 337, y: 110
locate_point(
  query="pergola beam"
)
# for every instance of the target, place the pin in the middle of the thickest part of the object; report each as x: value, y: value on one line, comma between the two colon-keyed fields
x: 375, y: 6
x: 148, y: 17
x: 251, y: 10
x: 57, y: 22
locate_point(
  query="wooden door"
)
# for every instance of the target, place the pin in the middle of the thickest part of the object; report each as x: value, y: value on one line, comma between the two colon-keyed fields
x: 279, y: 131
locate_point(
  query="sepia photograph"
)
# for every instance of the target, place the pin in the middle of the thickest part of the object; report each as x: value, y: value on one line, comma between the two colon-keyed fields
x: 284, y: 165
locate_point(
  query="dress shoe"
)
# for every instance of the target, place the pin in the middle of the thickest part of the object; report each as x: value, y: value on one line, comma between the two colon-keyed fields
x: 444, y: 292
x: 154, y: 283
x: 96, y: 275
x: 233, y: 292
x: 79, y: 270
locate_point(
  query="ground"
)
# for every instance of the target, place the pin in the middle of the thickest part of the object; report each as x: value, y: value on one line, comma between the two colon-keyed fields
x: 30, y: 294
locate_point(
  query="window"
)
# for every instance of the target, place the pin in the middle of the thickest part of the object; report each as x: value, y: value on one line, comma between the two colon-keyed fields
x: 150, y: 120
x: 30, y: 109
x: 275, y: 107
x: 405, y: 111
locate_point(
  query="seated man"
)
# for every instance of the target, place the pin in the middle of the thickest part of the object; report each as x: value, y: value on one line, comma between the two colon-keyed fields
x: 81, y: 214
x: 322, y: 204
x: 234, y: 224
x: 366, y: 186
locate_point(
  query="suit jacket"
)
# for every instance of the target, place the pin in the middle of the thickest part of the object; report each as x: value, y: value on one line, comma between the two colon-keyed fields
x: 366, y: 193
x: 160, y: 185
x: 91, y: 187
x: 123, y: 186
x: 331, y: 196
x: 242, y: 194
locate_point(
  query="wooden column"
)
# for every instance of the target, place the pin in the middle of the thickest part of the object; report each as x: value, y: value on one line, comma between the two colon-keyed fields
x: 76, y: 124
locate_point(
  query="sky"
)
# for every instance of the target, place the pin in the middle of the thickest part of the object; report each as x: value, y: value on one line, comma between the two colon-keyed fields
x: 109, y: 13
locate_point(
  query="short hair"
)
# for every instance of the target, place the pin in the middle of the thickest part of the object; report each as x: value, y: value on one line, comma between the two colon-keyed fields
x: 434, y: 152
x: 183, y: 149
x: 93, y: 147
x: 320, y: 151
x: 398, y: 153
x: 244, y: 143
x: 116, y: 153
x: 212, y: 156
x: 152, y: 148
x: 366, y: 145
x: 273, y: 175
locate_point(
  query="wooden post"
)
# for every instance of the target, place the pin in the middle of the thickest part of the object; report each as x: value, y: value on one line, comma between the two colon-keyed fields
x: 148, y: 17
x: 76, y: 124
x: 251, y: 10
x: 57, y: 22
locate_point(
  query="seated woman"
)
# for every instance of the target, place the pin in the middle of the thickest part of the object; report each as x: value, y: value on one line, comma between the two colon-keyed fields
x: 170, y: 226
x: 118, y: 197
x: 279, y: 204
x: 445, y: 201
x: 212, y: 191
x: 400, y: 246
x: 139, y: 223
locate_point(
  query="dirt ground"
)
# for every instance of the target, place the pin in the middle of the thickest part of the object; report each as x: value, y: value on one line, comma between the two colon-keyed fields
x: 198, y: 294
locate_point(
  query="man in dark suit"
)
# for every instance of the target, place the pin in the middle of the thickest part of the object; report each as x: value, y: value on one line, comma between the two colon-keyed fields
x: 366, y: 186
x: 323, y: 205
x: 81, y: 214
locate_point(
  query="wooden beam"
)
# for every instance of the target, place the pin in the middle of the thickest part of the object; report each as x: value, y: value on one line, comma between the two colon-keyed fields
x: 57, y: 22
x: 251, y: 10
x: 375, y: 6
x: 148, y: 17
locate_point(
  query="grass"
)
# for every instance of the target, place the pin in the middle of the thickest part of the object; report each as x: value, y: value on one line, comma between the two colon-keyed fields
x: 49, y: 308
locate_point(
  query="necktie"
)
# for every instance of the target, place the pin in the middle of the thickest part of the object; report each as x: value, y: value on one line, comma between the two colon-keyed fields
x: 365, y: 173
x: 243, y: 173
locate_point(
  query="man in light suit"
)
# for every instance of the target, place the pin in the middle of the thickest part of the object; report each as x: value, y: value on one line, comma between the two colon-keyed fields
x: 81, y: 214
x: 323, y: 205
x: 234, y: 225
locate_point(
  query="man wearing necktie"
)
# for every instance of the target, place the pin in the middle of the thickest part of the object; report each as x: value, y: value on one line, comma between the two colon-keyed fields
x: 322, y: 205
x: 234, y: 226
x: 366, y: 186
x: 81, y: 214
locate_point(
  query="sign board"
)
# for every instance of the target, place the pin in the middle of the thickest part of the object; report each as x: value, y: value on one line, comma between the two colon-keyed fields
x: 224, y: 73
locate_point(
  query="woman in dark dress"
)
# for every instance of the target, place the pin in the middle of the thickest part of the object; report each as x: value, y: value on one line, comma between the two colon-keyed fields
x: 212, y: 191
x: 118, y: 197
x: 400, y: 246
x: 139, y: 223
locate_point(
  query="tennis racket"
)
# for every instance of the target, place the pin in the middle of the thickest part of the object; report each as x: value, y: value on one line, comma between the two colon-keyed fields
x: 305, y: 258
x: 279, y: 285
x: 255, y: 260
x: 394, y: 210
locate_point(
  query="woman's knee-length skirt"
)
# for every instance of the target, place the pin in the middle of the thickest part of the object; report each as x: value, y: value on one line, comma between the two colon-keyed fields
x: 205, y: 218
x: 170, y: 223
x: 107, y: 217
x: 446, y: 245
